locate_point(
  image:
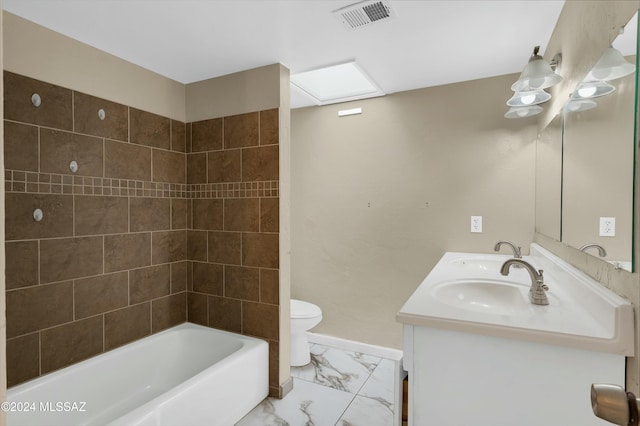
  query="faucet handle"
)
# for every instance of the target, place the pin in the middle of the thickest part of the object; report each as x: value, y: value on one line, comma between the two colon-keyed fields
x: 541, y: 280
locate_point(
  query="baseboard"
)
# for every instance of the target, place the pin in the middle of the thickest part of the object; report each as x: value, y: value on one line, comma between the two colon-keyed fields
x: 350, y: 345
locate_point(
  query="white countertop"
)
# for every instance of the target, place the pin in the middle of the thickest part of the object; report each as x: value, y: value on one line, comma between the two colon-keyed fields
x: 581, y: 313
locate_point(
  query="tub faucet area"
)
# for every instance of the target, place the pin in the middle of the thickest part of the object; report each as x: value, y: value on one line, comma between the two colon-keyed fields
x: 517, y: 251
x: 537, y: 294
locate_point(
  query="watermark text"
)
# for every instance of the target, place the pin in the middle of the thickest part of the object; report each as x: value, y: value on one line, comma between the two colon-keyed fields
x: 46, y: 406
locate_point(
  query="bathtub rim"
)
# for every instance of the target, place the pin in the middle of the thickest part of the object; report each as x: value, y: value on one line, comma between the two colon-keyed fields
x: 127, y: 347
x: 247, y: 344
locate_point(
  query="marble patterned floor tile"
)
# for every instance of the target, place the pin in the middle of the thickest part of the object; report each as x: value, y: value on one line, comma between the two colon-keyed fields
x: 338, y: 369
x: 308, y: 404
x: 381, y: 383
x: 365, y: 411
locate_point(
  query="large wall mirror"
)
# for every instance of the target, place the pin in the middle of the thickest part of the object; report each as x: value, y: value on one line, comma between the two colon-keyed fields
x: 549, y: 178
x: 585, y: 167
x: 597, y: 164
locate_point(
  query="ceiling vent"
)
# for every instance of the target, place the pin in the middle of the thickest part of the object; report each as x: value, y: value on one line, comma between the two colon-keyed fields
x: 364, y: 13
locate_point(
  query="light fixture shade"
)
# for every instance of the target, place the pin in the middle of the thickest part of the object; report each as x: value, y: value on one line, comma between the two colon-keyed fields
x: 537, y: 74
x: 522, y: 112
x: 579, y: 105
x: 592, y: 89
x: 610, y: 66
x: 528, y: 98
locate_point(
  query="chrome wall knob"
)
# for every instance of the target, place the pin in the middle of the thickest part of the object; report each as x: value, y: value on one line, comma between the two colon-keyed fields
x: 613, y: 404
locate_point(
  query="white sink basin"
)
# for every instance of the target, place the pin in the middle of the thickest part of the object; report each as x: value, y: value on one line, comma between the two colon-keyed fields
x: 499, y: 297
x: 466, y: 292
x: 487, y: 266
x: 478, y: 264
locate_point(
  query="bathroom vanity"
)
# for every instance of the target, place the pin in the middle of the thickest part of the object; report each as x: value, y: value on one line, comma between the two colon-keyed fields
x: 479, y: 353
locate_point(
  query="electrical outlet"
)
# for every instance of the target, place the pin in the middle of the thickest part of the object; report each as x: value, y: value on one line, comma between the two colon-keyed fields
x: 476, y: 223
x: 607, y: 226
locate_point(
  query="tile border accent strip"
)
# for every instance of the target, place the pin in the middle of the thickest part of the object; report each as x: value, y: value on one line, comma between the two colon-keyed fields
x: 261, y: 189
x: 49, y: 183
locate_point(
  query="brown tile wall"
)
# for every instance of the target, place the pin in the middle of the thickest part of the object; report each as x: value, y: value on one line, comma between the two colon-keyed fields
x: 163, y: 222
x: 108, y: 262
x: 232, y: 245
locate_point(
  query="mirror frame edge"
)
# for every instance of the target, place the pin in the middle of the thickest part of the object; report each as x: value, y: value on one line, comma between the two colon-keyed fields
x: 635, y: 227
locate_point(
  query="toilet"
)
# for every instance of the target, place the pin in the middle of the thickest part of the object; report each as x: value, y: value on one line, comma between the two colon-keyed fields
x: 304, y: 316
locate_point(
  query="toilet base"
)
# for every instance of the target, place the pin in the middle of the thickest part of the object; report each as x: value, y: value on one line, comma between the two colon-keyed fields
x: 300, y: 353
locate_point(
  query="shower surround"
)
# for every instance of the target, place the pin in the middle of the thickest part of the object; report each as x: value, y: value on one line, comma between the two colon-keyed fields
x: 163, y: 222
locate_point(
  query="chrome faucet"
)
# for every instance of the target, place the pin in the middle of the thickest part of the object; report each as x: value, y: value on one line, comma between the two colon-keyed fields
x: 601, y: 251
x: 517, y: 253
x: 537, y: 294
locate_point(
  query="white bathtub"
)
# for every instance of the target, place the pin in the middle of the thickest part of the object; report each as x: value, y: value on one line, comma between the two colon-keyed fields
x: 186, y: 375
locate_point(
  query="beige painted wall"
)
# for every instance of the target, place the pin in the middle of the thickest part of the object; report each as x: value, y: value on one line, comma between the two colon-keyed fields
x: 246, y: 91
x: 37, y: 52
x: 378, y: 198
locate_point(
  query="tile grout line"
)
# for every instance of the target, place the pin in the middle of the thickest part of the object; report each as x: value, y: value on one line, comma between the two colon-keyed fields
x: 73, y: 300
x: 40, y: 352
x: 370, y: 375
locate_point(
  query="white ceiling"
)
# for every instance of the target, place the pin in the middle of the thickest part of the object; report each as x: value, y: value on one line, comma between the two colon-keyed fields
x: 429, y: 43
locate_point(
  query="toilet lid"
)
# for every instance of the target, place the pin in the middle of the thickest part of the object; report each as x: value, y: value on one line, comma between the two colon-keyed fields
x: 301, y: 309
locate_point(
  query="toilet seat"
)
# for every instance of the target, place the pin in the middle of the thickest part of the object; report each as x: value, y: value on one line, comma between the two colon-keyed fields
x: 301, y: 309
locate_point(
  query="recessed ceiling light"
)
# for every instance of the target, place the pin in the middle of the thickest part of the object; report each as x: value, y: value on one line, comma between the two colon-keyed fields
x: 337, y: 83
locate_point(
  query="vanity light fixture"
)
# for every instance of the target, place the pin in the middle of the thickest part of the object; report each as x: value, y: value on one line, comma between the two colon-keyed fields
x: 576, y: 105
x: 537, y: 74
x: 529, y: 88
x: 528, y: 97
x: 521, y: 112
x: 610, y: 66
x: 592, y: 89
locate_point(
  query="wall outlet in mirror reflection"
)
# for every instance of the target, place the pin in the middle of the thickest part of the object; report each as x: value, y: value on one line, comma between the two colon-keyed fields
x: 607, y: 226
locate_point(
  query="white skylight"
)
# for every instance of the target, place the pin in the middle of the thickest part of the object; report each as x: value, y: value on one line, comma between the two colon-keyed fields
x: 337, y: 83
